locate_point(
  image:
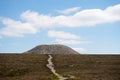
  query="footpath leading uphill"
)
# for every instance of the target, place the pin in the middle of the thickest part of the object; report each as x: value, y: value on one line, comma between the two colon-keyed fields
x: 50, y: 65
x: 53, y: 49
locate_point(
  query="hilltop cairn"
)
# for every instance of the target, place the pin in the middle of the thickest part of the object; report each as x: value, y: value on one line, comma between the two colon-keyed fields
x: 52, y: 49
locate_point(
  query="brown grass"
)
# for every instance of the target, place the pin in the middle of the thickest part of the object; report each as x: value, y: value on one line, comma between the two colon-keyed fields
x: 81, y: 67
x: 88, y: 67
x: 24, y: 67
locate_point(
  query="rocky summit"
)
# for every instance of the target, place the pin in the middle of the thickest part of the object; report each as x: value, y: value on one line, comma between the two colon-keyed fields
x: 52, y: 49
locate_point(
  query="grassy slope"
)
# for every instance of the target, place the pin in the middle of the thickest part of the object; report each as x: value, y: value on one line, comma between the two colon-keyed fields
x: 83, y: 67
x: 88, y: 67
x: 24, y: 67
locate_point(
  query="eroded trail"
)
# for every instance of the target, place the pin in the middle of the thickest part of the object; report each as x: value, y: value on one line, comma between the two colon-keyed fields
x: 50, y: 65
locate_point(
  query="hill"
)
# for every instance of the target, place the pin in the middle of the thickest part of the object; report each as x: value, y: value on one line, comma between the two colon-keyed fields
x: 52, y: 49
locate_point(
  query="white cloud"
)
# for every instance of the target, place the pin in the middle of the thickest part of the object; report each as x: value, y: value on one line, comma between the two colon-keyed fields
x: 71, y: 41
x: 62, y: 37
x: 16, y: 28
x: 80, y: 50
x: 88, y: 17
x: 38, y: 20
x: 70, y: 10
x: 62, y: 34
x: 68, y: 41
x: 31, y: 22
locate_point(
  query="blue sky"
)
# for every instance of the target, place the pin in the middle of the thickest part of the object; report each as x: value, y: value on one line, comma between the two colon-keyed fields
x: 88, y: 26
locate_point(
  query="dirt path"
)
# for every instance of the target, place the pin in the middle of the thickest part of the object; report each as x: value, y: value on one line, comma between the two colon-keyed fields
x: 50, y: 65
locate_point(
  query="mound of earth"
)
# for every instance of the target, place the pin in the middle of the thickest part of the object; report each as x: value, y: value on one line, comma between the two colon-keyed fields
x: 52, y: 49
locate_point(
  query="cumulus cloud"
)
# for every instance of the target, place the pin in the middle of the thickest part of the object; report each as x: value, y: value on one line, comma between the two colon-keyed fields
x: 80, y: 50
x: 62, y: 37
x: 62, y: 34
x: 38, y: 20
x: 70, y: 10
x: 87, y: 17
x: 69, y: 41
x: 30, y: 22
x: 16, y: 28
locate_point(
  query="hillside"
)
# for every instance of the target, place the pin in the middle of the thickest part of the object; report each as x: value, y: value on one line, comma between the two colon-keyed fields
x: 24, y: 67
x: 88, y: 67
x: 52, y: 49
x: 81, y: 67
